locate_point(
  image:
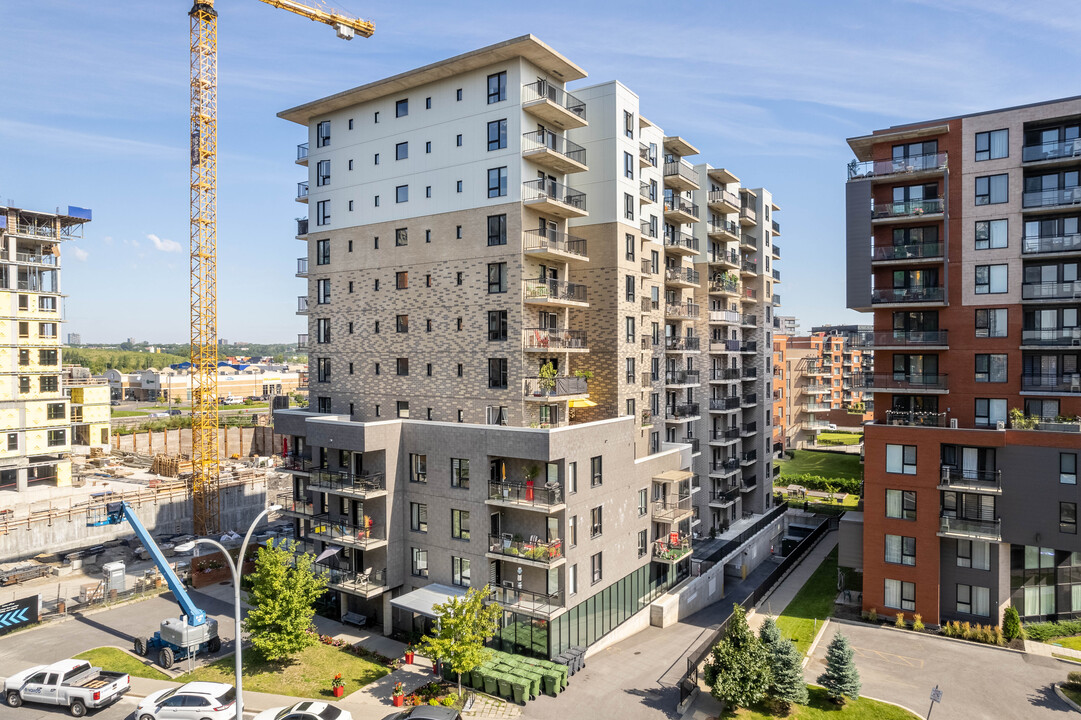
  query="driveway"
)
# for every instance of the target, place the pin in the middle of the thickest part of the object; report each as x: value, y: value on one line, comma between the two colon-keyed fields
x: 976, y: 681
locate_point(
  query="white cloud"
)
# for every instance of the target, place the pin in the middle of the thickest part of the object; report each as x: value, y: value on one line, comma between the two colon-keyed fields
x: 108, y: 239
x: 164, y: 245
x: 78, y: 253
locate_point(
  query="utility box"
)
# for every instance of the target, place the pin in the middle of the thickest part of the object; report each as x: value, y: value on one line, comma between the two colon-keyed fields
x: 177, y: 632
x: 114, y: 577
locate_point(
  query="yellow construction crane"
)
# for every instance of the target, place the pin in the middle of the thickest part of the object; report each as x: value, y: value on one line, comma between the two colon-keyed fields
x: 204, y: 241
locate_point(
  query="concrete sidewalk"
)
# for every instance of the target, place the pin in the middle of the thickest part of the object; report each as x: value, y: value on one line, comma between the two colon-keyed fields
x: 774, y: 604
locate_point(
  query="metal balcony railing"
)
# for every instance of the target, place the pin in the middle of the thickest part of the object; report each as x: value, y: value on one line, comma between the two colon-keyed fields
x: 907, y: 252
x: 908, y: 208
x: 542, y: 90
x: 749, y: 399
x: 545, y: 289
x: 776, y: 250
x: 777, y: 275
x: 646, y: 192
x: 533, y: 550
x: 681, y: 412
x: 342, y: 533
x: 897, y: 166
x: 553, y: 240
x: 730, y: 227
x: 681, y: 168
x: 1051, y: 243
x: 750, y: 294
x: 725, y: 285
x: 351, y: 580
x: 682, y: 311
x: 1050, y: 198
x: 748, y: 429
x: 776, y: 227
x: 909, y: 417
x: 678, y: 204
x: 531, y: 495
x: 749, y: 212
x: 682, y: 343
x: 968, y: 478
x: 681, y: 274
x: 726, y: 374
x: 667, y: 550
x: 694, y: 442
x: 546, y: 139
x: 560, y: 386
x: 726, y: 435
x: 554, y: 339
x: 726, y: 196
x: 347, y: 482
x: 749, y: 266
x: 1051, y: 150
x: 648, y: 229
x: 542, y: 188
x: 681, y: 377
x: 302, y: 226
x: 724, y: 466
x: 749, y: 373
x: 730, y: 257
x: 748, y: 347
x: 901, y: 381
x: 724, y: 403
x: 724, y: 497
x: 680, y: 240
x: 1051, y: 291
x: 647, y: 155
x: 907, y: 295
x: 671, y: 509
x: 1048, y: 382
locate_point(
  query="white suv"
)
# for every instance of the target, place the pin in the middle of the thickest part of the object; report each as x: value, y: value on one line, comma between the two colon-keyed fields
x: 193, y: 701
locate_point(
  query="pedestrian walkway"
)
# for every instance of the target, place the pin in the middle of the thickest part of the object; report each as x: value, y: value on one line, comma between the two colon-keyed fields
x: 774, y: 604
x: 1049, y: 648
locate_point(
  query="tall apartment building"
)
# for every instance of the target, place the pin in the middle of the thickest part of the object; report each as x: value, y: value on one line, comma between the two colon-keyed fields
x: 36, y: 403
x: 492, y: 310
x: 786, y: 325
x: 963, y: 242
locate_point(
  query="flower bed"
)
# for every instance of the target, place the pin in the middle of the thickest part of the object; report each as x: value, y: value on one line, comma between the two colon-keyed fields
x: 359, y: 650
x: 435, y: 693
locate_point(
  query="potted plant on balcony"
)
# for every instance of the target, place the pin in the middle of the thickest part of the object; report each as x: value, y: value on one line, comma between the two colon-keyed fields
x: 530, y: 474
x: 337, y: 685
x: 398, y: 698
x: 548, y: 374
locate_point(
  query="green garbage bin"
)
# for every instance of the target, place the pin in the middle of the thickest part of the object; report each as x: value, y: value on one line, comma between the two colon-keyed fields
x: 476, y: 679
x: 505, y: 690
x: 551, y: 683
x: 520, y: 688
x: 534, y: 681
x: 491, y: 683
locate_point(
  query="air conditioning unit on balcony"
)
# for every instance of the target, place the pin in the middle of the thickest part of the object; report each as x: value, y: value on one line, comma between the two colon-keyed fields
x: 953, y: 423
x: 1000, y: 425
x: 945, y: 474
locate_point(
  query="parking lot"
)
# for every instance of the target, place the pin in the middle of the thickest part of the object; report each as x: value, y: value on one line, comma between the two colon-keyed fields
x: 977, y: 681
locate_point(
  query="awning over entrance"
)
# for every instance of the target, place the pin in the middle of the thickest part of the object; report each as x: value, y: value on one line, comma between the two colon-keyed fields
x: 582, y: 403
x: 421, y: 600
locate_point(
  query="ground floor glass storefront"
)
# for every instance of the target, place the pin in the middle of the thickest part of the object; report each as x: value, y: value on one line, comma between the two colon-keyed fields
x: 1045, y: 583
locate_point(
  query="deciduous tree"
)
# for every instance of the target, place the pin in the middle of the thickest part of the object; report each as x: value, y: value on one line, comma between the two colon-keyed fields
x: 463, y: 625
x: 283, y: 594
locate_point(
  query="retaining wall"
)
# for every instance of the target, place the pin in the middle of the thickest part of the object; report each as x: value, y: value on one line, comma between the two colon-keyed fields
x: 245, y: 442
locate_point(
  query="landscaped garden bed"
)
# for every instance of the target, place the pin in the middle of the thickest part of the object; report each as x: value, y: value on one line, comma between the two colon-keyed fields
x: 820, y: 707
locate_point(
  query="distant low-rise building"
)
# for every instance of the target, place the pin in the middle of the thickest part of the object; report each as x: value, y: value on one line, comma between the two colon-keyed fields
x: 172, y: 383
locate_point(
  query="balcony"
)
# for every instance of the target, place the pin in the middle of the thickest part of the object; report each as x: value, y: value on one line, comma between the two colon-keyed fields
x: 672, y: 549
x: 302, y: 154
x: 1036, y: 244
x: 813, y: 407
x: 649, y: 230
x: 907, y: 253
x: 695, y: 443
x: 367, y: 537
x: 678, y: 243
x: 916, y: 419
x: 749, y: 373
x: 682, y: 344
x: 750, y: 295
x: 725, y: 374
x: 1052, y: 150
x: 816, y: 369
x: 300, y: 463
x: 776, y: 299
x: 723, y: 498
x: 302, y: 305
x: 727, y: 317
x: 776, y: 227
x: 889, y: 382
x: 364, y: 584
x: 1060, y: 197
x: 725, y: 230
x: 553, y: 245
x: 908, y: 210
x: 302, y: 267
x: 547, y: 339
x: 725, y: 285
x: 748, y: 429
x: 527, y: 602
x: 553, y: 152
x: 724, y: 201
x: 815, y: 425
x: 722, y: 346
x: 899, y: 169
x: 296, y: 507
x: 966, y: 528
x: 361, y: 487
x: 648, y: 305
x: 681, y: 311
x: 1051, y: 291
x: 554, y: 198
x: 1067, y: 383
x: 526, y: 496
x: 680, y: 176
x: 955, y: 478
x: 748, y: 458
x: 748, y: 400
x: 680, y: 211
x: 554, y: 293
x: 748, y: 348
x: 646, y: 156
x: 728, y: 258
x: 724, y: 404
x: 724, y: 467
x: 671, y: 509
x: 681, y: 413
x: 534, y: 552
x: 748, y: 242
x: 1051, y: 337
x: 748, y: 321
x: 776, y: 250
x: 776, y: 276
x: 302, y: 227
x: 816, y: 389
x: 901, y: 339
x: 302, y: 192
x: 748, y: 267
x: 647, y: 266
x: 646, y: 193
x: 564, y: 388
x: 302, y: 342
x: 926, y: 295
x: 683, y: 277
x: 681, y: 377
x: 748, y: 215
x: 724, y: 437
x: 553, y: 105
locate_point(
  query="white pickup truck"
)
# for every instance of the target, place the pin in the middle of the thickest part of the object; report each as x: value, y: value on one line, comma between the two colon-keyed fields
x: 69, y: 683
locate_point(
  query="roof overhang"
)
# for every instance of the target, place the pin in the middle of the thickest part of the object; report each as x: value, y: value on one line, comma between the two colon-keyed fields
x: 722, y: 175
x: 677, y: 145
x: 863, y: 144
x: 526, y: 46
x: 421, y: 600
x: 674, y: 475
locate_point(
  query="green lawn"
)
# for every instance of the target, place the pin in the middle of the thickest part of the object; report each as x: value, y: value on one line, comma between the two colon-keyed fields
x: 826, y: 464
x: 842, y: 438
x: 116, y: 660
x: 129, y: 413
x: 308, y: 674
x: 815, y: 600
x: 820, y: 707
x: 1071, y: 692
x: 1074, y: 643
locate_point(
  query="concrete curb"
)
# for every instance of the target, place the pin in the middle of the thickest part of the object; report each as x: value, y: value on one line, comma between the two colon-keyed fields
x: 896, y: 705
x: 814, y: 644
x: 936, y: 636
x: 1063, y: 698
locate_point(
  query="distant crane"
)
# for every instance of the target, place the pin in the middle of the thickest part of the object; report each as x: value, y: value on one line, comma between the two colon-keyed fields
x: 204, y: 241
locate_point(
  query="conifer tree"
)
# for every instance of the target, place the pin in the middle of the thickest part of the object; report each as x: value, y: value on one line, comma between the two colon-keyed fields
x: 788, y: 687
x: 841, y: 679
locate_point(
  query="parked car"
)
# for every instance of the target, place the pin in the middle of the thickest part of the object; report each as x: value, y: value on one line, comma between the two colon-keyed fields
x: 305, y: 711
x: 426, y: 712
x: 176, y: 412
x: 114, y: 403
x: 192, y: 701
x: 832, y: 426
x: 69, y: 683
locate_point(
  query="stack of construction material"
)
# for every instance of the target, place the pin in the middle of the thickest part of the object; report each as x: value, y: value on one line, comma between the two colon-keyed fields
x: 169, y: 465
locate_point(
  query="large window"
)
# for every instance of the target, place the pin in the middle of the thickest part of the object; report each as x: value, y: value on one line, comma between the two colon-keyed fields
x: 497, y: 87
x: 57, y: 437
x: 322, y: 252
x: 975, y: 554
x: 497, y: 277
x: 418, y: 517
x: 1067, y: 468
x: 991, y: 322
x: 900, y: 595
x: 973, y: 600
x: 497, y: 373
x: 497, y: 136
x: 322, y: 134
x: 991, y: 234
x: 419, y: 565
x: 901, y: 504
x: 497, y: 182
x: 322, y: 366
x: 322, y: 173
x: 322, y: 291
x: 991, y: 368
x: 595, y: 474
x: 418, y: 468
x: 900, y: 550
x: 992, y: 145
x: 901, y: 459
x: 991, y: 279
x: 497, y: 325
x: 1067, y: 517
x: 459, y: 524
x: 992, y: 189
x: 990, y: 411
x: 497, y: 230
x: 459, y: 473
x: 459, y: 571
x: 322, y: 212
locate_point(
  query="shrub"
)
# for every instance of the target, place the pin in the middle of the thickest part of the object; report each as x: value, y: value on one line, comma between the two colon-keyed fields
x: 872, y: 615
x: 1074, y: 678
x: 1011, y: 624
x: 917, y: 622
x: 966, y: 630
x: 1043, y: 632
x: 999, y: 636
x: 900, y: 621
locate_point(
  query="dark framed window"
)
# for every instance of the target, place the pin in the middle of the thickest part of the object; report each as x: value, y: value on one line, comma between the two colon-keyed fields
x: 1067, y: 468
x: 630, y: 323
x: 419, y: 565
x: 401, y: 151
x: 401, y: 237
x: 322, y: 172
x: 322, y: 370
x: 497, y: 134
x: 628, y: 206
x: 459, y: 524
x: 497, y: 230
x: 628, y: 165
x: 992, y: 145
x: 497, y: 373
x: 991, y: 322
x: 401, y: 193
x: 901, y: 504
x: 401, y: 366
x: 458, y: 140
x: 322, y: 291
x: 900, y: 595
x: 322, y: 404
x: 901, y: 459
x: 596, y: 567
x: 459, y: 473
x: 497, y: 87
x: 900, y: 550
x: 643, y: 543
x: 401, y: 323
x: 629, y: 283
x: 991, y: 234
x: 596, y: 471
x: 322, y: 134
x: 628, y: 124
x: 418, y: 517
x: 401, y: 279
x: 497, y: 278
x: 401, y: 108
x: 992, y: 189
x: 497, y: 182
x: 322, y: 252
x: 418, y: 468
x: 990, y: 367
x: 459, y: 571
x: 1067, y: 517
x: 497, y: 325
x: 992, y: 279
x: 596, y: 522
x: 631, y: 242
x: 322, y: 212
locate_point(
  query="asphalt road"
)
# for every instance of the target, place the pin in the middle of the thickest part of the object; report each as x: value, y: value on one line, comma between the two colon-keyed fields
x: 122, y: 709
x: 977, y: 681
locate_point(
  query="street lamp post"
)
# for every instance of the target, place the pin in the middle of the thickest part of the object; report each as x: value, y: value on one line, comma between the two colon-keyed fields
x: 190, y: 545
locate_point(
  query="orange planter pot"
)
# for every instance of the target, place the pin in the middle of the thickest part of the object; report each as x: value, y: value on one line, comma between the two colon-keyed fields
x: 398, y: 700
x: 338, y: 691
x: 409, y: 658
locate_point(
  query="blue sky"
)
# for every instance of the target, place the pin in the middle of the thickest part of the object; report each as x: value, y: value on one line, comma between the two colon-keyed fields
x: 96, y: 115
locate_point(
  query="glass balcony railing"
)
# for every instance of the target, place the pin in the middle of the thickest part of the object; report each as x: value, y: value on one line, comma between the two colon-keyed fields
x: 527, y: 601
x: 969, y: 478
x: 302, y: 341
x: 681, y: 377
x: 1052, y: 150
x: 724, y: 403
x: 302, y: 152
x: 965, y: 527
x: 909, y: 208
x: 681, y: 412
x: 1051, y: 243
x: 302, y: 266
x: 907, y: 252
x: 729, y: 227
x: 1052, y: 336
x: 901, y: 338
x: 908, y: 295
x: 902, y: 381
x: 897, y: 166
x: 302, y: 226
x: 348, y: 483
x: 672, y: 549
x: 541, y: 496
x: 1051, y: 291
x: 1051, y: 198
x: 302, y: 190
x: 725, y: 374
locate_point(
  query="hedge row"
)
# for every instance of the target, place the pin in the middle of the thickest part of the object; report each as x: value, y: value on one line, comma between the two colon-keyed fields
x: 1043, y: 632
x: 817, y: 482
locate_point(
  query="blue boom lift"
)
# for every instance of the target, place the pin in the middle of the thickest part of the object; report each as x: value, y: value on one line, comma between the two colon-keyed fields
x: 180, y: 637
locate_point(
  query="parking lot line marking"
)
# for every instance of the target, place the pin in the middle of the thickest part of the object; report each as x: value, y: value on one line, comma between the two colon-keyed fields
x: 892, y: 658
